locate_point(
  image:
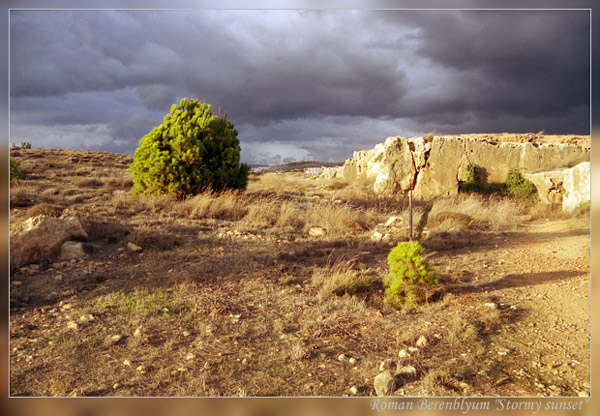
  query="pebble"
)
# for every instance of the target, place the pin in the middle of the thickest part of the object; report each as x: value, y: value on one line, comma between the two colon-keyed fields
x: 126, y: 362
x: 16, y: 283
x: 134, y: 247
x: 72, y: 325
x: 186, y: 334
x: 138, y: 332
x: 116, y: 338
x: 353, y: 390
x: 190, y: 356
x: 141, y: 369
x: 403, y: 354
x: 491, y: 305
x: 422, y: 342
x: 341, y: 357
x: 116, y: 386
x: 413, y: 349
x: 352, y: 360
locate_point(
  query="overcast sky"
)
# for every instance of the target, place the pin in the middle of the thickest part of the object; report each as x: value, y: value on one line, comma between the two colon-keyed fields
x: 298, y: 85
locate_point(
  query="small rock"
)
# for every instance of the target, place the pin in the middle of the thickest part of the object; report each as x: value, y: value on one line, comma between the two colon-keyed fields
x: 72, y: 325
x: 403, y: 354
x: 422, y: 342
x: 16, y: 283
x: 376, y: 236
x: 387, y: 365
x: 413, y: 349
x: 316, y: 232
x: 186, y: 334
x: 127, y: 363
x: 394, y: 221
x: 138, y: 332
x: 141, y: 369
x: 384, y: 384
x: 353, y: 390
x: 352, y: 360
x: 583, y: 394
x: 190, y: 356
x: 58, y: 277
x: 86, y: 318
x: 341, y: 357
x: 245, y: 361
x: 182, y: 369
x: 490, y: 305
x: 116, y: 386
x: 407, y: 371
x: 116, y: 338
x: 133, y: 247
x: 502, y: 380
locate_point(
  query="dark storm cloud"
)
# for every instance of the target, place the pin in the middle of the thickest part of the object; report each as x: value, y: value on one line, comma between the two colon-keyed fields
x: 321, y: 82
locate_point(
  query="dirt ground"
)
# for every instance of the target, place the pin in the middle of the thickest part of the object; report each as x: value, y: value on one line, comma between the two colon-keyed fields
x: 227, y: 302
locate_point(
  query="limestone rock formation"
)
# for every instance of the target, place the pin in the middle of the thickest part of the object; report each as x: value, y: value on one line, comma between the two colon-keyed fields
x: 42, y: 237
x: 433, y: 166
x: 566, y: 187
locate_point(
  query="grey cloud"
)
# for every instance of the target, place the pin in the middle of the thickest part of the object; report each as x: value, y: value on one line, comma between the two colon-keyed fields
x: 328, y: 82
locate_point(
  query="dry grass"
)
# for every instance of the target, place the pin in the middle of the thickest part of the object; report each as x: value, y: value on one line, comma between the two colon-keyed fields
x: 231, y: 296
x: 50, y: 210
x: 340, y: 277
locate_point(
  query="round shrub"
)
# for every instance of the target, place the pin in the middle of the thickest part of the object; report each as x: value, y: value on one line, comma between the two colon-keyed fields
x: 191, y: 151
x: 410, y: 277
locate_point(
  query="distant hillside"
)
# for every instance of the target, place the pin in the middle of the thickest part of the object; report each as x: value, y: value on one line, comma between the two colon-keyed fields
x: 300, y: 166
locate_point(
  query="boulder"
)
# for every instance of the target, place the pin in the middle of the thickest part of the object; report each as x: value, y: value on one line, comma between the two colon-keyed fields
x: 72, y: 250
x: 568, y: 188
x: 42, y: 237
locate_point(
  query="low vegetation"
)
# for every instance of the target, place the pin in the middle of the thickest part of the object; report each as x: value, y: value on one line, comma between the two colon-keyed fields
x: 279, y: 290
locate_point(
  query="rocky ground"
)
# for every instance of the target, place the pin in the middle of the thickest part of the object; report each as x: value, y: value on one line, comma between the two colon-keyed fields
x: 223, y: 295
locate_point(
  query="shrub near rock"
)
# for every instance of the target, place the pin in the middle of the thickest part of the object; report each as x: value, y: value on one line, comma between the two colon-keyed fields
x: 191, y: 151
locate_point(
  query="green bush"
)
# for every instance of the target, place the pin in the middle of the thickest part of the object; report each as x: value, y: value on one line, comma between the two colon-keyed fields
x: 519, y: 187
x: 15, y: 171
x: 191, y: 151
x: 472, y: 184
x: 411, y: 277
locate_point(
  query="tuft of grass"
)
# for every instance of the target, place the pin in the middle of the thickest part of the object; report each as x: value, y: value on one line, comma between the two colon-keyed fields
x: 50, y: 210
x: 226, y: 205
x: 142, y: 302
x: 340, y: 278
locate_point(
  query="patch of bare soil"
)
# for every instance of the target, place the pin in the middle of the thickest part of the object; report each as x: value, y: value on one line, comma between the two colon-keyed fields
x: 229, y: 294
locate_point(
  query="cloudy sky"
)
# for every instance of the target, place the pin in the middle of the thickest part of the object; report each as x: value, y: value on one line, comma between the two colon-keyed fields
x: 297, y: 84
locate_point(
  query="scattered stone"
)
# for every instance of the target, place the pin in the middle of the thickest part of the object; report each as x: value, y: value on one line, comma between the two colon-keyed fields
x: 341, y: 357
x: 186, y: 334
x: 413, y: 349
x: 353, y: 390
x: 58, y: 277
x: 502, y: 380
x: 422, y: 342
x: 316, y: 232
x: 133, y: 247
x: 138, y: 332
x: 387, y: 365
x: 403, y: 354
x: 72, y: 250
x: 384, y: 384
x: 39, y: 238
x: 116, y: 338
x: 394, y: 221
x: 88, y: 317
x: 182, y: 369
x: 141, y: 369
x: 72, y: 325
x: 127, y: 363
x: 190, y: 356
x: 490, y: 305
x: 407, y: 371
x: 352, y: 360
x: 245, y: 361
x: 376, y: 236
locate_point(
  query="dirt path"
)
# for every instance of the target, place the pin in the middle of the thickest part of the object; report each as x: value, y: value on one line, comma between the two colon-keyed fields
x: 542, y: 275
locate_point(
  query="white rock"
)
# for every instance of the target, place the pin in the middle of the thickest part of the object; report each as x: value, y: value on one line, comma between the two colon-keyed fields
x: 353, y: 390
x: 72, y: 325
x: 352, y: 360
x: 490, y: 305
x: 394, y: 221
x: 384, y: 384
x: 403, y: 354
x: 422, y: 342
x: 341, y: 357
x: 138, y: 332
x: 126, y: 362
x: 133, y: 247
x: 376, y: 236
x: 316, y: 232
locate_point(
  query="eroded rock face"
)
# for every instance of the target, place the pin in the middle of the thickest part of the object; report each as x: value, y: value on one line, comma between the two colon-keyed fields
x: 566, y: 187
x: 433, y: 166
x: 42, y: 237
